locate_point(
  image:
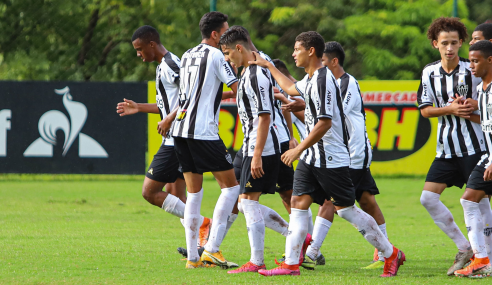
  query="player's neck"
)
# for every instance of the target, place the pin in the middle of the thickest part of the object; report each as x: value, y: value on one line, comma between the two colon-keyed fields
x: 210, y: 42
x: 161, y: 52
x: 487, y: 79
x: 338, y: 72
x: 314, y: 64
x: 450, y: 65
x: 248, y: 56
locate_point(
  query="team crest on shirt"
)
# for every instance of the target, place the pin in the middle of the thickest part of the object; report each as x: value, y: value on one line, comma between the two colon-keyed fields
x: 462, y: 89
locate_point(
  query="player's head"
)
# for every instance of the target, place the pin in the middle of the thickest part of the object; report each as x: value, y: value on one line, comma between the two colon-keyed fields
x: 213, y: 25
x: 447, y: 35
x: 145, y: 40
x: 280, y: 65
x: 482, y: 32
x: 235, y: 45
x: 333, y: 55
x: 480, y: 55
x: 308, y: 45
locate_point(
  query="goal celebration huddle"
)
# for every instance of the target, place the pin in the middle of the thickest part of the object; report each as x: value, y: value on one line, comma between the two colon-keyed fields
x: 334, y: 153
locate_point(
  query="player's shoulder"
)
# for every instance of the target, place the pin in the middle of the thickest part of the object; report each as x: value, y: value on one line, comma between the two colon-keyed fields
x: 171, y: 61
x: 265, y: 56
x: 259, y: 72
x: 431, y: 66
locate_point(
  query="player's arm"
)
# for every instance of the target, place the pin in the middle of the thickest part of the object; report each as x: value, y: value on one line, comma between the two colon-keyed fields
x: 456, y: 108
x: 228, y: 95
x: 285, y: 83
x: 261, y: 137
x: 164, y: 126
x: 319, y: 130
x: 475, y: 118
x: 130, y: 107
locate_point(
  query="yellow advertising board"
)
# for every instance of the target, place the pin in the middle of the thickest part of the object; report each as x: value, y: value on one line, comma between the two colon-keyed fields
x: 403, y: 141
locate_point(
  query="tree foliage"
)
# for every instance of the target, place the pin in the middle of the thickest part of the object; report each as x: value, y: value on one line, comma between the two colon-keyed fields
x: 90, y: 39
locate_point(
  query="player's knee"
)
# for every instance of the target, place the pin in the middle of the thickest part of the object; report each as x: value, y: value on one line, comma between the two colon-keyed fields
x: 240, y: 208
x: 428, y: 199
x: 147, y: 194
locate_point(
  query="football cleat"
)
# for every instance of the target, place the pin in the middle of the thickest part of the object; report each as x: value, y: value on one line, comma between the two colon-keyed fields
x: 479, y: 268
x: 375, y: 265
x: 204, y: 232
x: 305, y: 246
x: 320, y: 260
x: 248, y: 267
x: 308, y: 263
x: 392, y: 263
x: 198, y: 264
x: 184, y: 252
x: 218, y: 259
x: 460, y: 259
x: 283, y: 269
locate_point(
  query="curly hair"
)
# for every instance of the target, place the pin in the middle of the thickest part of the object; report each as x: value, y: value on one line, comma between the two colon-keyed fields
x: 312, y: 39
x: 446, y: 24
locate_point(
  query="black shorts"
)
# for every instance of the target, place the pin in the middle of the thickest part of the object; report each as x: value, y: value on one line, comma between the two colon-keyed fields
x: 452, y: 171
x: 363, y: 181
x: 285, y: 179
x: 199, y: 156
x: 264, y: 184
x: 476, y: 181
x: 324, y: 183
x: 165, y: 166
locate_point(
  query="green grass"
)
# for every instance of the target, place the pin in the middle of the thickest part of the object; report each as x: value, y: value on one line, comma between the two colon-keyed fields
x: 103, y: 232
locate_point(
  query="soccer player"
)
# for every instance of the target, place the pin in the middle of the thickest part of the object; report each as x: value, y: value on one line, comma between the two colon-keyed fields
x: 323, y: 170
x: 480, y: 181
x: 196, y: 140
x: 459, y: 141
x: 261, y: 151
x: 164, y: 169
x: 482, y: 32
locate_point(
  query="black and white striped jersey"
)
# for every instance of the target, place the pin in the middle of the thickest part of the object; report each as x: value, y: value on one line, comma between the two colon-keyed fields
x: 323, y: 100
x: 300, y: 126
x: 167, y: 87
x: 359, y: 145
x: 255, y: 97
x: 485, y: 108
x: 203, y: 69
x: 280, y: 123
x: 456, y: 137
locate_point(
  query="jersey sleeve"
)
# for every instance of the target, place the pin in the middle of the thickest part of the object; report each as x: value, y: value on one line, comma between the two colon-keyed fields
x: 301, y: 86
x: 328, y: 93
x: 424, y: 97
x: 353, y: 98
x: 223, y: 69
x: 263, y: 90
x: 475, y: 83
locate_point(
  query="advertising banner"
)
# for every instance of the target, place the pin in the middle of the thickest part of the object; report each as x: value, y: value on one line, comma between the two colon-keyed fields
x: 70, y: 127
x: 403, y: 141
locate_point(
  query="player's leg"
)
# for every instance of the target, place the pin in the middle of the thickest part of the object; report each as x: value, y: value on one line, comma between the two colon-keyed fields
x: 322, y: 225
x: 486, y: 211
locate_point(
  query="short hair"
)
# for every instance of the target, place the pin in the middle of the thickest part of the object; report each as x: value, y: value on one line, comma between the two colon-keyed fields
x: 280, y: 65
x: 235, y: 35
x: 486, y: 29
x: 212, y: 21
x: 146, y: 34
x: 484, y: 47
x: 446, y: 24
x: 335, y: 49
x: 312, y: 39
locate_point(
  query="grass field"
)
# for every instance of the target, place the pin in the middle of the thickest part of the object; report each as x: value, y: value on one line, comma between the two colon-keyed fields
x: 103, y: 232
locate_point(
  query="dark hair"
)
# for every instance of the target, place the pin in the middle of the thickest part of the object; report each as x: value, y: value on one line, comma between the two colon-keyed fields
x: 146, y: 34
x: 335, y: 49
x: 235, y: 35
x: 486, y: 29
x: 445, y: 24
x: 212, y: 21
x: 312, y: 39
x: 280, y: 65
x: 484, y: 47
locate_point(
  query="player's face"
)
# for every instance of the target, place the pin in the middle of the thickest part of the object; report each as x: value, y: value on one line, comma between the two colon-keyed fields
x: 144, y: 50
x: 477, y: 36
x: 479, y: 65
x: 449, y: 44
x: 328, y: 62
x: 300, y: 55
x: 232, y: 54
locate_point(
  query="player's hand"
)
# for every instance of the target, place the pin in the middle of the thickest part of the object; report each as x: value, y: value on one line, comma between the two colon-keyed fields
x: 259, y: 60
x: 257, y: 167
x: 128, y: 107
x: 164, y: 126
x: 459, y: 109
x: 277, y: 94
x: 473, y: 103
x: 293, y: 143
x: 487, y: 176
x: 290, y: 156
x: 296, y: 105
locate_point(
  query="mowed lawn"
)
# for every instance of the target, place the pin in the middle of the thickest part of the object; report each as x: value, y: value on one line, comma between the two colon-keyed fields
x: 103, y: 232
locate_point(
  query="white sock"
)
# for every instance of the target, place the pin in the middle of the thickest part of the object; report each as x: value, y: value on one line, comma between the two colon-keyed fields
x: 484, y: 206
x: 310, y: 225
x: 321, y: 228
x: 368, y: 227
x: 443, y: 218
x: 474, y: 225
x: 298, y: 227
x: 382, y: 227
x: 222, y: 210
x: 230, y: 220
x: 192, y: 223
x: 173, y: 206
x: 274, y: 221
x: 256, y: 230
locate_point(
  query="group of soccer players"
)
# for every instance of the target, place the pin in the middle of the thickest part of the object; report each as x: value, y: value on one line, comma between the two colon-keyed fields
x: 334, y: 153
